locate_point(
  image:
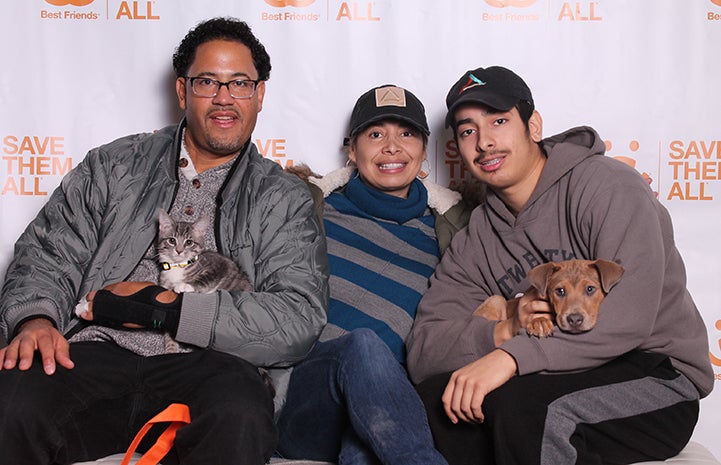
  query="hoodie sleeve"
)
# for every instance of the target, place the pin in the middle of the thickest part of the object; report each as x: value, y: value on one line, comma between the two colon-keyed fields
x: 445, y: 334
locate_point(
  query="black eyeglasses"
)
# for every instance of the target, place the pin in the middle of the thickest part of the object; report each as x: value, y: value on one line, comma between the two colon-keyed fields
x: 209, y: 87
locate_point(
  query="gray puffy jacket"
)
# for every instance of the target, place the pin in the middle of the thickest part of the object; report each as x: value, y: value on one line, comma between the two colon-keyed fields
x: 98, y: 224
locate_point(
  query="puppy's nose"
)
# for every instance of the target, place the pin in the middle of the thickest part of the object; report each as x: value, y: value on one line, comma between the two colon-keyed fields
x: 575, y: 320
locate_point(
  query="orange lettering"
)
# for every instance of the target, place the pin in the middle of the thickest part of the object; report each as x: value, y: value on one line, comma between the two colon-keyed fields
x: 11, y: 187
x: 676, y: 147
x: 279, y: 147
x: 344, y: 12
x: 10, y: 143
x: 577, y: 13
x: 124, y: 10
x: 263, y: 149
x: 452, y: 149
x: 356, y: 15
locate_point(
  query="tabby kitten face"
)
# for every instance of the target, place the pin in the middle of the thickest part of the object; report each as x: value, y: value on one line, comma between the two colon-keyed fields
x: 180, y: 241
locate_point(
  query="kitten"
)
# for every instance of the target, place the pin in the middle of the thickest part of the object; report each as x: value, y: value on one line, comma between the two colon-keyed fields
x: 187, y: 267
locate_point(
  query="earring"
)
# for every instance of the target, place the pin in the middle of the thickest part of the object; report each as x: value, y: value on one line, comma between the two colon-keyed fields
x: 350, y: 164
x: 425, y: 170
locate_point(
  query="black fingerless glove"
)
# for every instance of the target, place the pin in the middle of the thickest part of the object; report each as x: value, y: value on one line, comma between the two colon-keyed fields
x: 141, y: 308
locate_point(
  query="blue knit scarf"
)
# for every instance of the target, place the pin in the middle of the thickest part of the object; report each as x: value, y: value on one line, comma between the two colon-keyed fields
x: 387, y: 206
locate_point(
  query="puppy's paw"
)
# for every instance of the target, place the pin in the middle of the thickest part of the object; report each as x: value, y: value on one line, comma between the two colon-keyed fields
x: 540, y: 327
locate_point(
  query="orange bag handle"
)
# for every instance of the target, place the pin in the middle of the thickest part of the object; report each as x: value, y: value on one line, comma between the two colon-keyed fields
x: 178, y: 415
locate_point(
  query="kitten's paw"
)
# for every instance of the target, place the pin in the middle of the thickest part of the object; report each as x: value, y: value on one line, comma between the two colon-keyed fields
x: 180, y: 288
x: 81, y: 307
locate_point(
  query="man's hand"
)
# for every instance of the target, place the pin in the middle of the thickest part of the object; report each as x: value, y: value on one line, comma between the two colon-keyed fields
x: 36, y: 335
x: 125, y: 289
x: 469, y: 386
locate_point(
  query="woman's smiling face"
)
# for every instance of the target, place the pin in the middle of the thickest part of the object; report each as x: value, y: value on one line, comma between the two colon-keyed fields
x: 389, y: 155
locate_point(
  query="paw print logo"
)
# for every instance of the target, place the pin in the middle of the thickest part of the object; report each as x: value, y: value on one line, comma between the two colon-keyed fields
x: 633, y: 146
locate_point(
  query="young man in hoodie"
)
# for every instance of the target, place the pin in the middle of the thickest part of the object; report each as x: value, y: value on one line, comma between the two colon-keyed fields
x: 626, y: 391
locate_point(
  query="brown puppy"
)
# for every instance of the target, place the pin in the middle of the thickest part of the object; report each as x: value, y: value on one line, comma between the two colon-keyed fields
x: 574, y: 288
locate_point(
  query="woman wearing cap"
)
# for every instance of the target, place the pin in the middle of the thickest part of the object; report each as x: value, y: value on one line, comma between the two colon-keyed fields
x: 350, y: 400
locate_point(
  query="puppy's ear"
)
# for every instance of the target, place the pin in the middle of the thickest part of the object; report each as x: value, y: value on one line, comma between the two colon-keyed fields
x: 539, y: 276
x: 610, y: 273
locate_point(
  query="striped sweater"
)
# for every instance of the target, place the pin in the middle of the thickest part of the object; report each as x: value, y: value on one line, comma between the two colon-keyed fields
x: 382, y: 250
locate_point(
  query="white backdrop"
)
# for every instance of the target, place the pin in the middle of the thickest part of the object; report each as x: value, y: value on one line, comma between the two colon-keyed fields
x: 644, y: 73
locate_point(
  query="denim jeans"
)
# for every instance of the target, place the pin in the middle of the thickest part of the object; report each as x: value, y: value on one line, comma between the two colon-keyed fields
x: 351, y: 402
x: 96, y: 408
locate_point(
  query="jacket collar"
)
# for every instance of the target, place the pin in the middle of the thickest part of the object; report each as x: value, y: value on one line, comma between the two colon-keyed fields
x: 440, y: 198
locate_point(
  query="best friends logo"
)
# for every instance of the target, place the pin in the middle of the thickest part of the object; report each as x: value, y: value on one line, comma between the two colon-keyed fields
x: 70, y: 2
x: 133, y: 10
x: 513, y: 3
x: 310, y: 16
x: 712, y: 15
x: 71, y: 13
x: 511, y: 16
x: 284, y: 3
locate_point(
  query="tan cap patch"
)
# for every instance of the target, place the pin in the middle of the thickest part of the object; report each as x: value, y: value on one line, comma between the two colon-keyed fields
x: 390, y: 96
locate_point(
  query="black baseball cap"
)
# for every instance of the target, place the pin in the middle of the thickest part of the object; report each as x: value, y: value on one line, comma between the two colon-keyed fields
x: 388, y: 102
x: 496, y: 87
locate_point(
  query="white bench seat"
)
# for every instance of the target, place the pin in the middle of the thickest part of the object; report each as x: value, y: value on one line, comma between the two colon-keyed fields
x: 693, y: 454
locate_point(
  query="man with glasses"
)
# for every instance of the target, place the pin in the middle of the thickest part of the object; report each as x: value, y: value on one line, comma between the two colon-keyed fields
x: 78, y: 389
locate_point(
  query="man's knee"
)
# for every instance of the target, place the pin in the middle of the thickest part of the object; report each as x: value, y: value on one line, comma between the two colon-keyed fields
x: 27, y: 410
x: 25, y: 394
x: 235, y: 388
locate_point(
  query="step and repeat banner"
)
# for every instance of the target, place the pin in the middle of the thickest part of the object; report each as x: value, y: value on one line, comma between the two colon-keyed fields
x: 644, y: 73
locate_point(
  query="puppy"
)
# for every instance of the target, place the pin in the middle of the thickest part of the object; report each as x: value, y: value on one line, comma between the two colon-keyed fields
x: 574, y: 288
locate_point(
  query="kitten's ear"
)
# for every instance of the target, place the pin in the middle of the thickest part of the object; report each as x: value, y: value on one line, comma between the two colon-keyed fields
x: 166, y: 223
x: 201, y: 226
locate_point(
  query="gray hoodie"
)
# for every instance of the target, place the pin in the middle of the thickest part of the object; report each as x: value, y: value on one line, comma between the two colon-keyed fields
x: 585, y: 206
